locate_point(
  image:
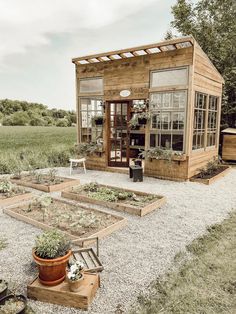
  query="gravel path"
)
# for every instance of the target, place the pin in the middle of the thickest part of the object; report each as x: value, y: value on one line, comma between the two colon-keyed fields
x: 134, y: 256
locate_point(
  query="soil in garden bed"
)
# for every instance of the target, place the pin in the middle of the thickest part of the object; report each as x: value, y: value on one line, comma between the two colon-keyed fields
x: 112, y: 194
x: 70, y: 218
x: 44, y: 180
x: 213, y: 174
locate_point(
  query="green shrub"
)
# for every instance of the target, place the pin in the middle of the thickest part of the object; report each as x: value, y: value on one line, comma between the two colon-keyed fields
x: 51, y: 244
x: 62, y: 122
x: 37, y: 121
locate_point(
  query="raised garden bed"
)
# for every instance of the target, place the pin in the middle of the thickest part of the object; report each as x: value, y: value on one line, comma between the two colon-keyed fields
x: 76, y: 221
x: 11, y: 193
x: 220, y: 172
x: 133, y: 202
x: 47, y: 182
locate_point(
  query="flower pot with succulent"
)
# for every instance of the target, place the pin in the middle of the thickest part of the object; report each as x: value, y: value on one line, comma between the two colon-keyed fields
x: 3, y: 288
x: 13, y: 304
x: 75, y: 275
x: 51, y: 254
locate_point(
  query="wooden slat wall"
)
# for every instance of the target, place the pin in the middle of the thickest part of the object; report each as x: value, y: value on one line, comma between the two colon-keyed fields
x: 199, y: 159
x: 229, y: 147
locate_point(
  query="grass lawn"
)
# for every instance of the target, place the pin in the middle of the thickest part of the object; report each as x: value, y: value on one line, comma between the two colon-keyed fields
x: 36, y: 147
x: 205, y: 283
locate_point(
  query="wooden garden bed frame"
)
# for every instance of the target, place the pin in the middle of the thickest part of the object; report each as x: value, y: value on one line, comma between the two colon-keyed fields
x: 116, y: 205
x: 60, y: 294
x: 48, y: 188
x: 76, y: 239
x: 15, y: 199
x: 213, y: 179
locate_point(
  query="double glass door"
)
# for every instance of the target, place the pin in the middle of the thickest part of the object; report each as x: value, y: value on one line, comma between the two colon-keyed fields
x: 118, y: 133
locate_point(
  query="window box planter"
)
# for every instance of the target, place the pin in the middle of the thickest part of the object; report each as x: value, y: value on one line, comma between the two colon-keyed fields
x: 222, y: 171
x: 63, y: 216
x: 140, y: 209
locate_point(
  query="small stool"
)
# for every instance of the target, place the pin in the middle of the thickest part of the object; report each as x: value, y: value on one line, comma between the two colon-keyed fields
x: 77, y: 161
x: 136, y: 172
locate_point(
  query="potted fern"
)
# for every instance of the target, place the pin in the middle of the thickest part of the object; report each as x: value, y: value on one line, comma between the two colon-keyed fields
x: 51, y: 253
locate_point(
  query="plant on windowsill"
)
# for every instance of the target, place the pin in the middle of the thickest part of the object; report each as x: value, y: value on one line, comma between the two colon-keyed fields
x: 162, y: 154
x: 97, y: 120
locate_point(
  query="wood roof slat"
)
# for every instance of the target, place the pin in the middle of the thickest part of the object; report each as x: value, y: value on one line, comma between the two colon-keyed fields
x: 133, y: 49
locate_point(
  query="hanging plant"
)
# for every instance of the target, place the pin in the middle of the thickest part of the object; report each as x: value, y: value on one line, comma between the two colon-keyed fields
x: 98, y: 120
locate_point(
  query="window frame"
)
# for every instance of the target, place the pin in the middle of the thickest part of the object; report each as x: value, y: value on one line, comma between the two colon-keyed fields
x: 91, y: 92
x: 165, y: 87
x: 205, y: 146
x: 91, y: 97
x: 171, y: 110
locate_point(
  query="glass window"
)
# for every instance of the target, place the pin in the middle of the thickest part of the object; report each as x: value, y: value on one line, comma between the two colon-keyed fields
x: 89, y: 108
x: 212, y: 121
x: 168, y: 119
x: 91, y: 85
x: 199, y: 120
x: 169, y: 77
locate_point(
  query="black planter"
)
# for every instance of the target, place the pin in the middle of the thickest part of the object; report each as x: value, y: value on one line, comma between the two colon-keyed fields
x: 98, y: 122
x: 3, y: 292
x: 138, y: 162
x: 19, y: 297
x: 142, y: 120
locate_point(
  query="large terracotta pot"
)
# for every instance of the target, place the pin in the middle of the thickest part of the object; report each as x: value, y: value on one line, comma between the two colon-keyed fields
x: 52, y: 271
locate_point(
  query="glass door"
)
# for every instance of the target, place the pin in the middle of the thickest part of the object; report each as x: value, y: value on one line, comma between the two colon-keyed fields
x: 118, y: 134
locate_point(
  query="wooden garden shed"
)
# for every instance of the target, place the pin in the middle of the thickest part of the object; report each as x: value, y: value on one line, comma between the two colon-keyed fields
x: 172, y: 84
x: 229, y: 144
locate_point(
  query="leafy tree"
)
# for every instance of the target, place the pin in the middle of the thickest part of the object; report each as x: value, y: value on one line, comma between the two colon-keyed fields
x: 20, y: 118
x: 212, y: 23
x: 62, y: 122
x: 37, y: 121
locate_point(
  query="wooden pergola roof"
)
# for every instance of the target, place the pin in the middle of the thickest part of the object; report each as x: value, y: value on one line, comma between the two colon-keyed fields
x: 168, y: 45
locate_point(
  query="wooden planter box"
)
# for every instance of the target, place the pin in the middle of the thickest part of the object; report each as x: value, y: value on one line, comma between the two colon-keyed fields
x: 47, y: 188
x: 60, y: 294
x: 15, y: 199
x: 76, y: 240
x: 213, y: 179
x: 116, y: 205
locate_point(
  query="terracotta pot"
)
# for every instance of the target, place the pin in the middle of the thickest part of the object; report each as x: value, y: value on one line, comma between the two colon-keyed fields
x: 19, y: 297
x: 52, y: 271
x: 75, y: 285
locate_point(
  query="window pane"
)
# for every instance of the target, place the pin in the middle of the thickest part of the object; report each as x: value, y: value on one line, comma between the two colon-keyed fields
x: 166, y: 141
x: 169, y: 77
x: 91, y: 85
x: 177, y: 142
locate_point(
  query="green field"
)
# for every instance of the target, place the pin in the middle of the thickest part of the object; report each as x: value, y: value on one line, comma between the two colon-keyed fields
x: 206, y: 281
x: 27, y: 147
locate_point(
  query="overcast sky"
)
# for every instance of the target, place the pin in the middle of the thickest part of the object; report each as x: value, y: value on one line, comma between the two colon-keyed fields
x: 38, y: 38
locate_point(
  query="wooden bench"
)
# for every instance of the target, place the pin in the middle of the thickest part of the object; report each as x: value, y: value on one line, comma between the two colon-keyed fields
x: 77, y: 161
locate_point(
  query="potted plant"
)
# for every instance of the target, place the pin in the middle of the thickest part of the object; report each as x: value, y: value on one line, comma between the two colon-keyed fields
x: 13, y: 304
x: 3, y: 288
x: 75, y: 275
x: 51, y: 253
x: 98, y: 120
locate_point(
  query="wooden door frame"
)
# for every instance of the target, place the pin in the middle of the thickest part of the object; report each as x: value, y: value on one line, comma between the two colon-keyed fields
x: 108, y: 102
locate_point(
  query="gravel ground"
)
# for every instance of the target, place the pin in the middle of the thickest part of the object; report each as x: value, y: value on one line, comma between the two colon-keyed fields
x: 143, y: 250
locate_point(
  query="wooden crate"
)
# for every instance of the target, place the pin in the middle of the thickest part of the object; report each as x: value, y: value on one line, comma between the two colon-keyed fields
x: 90, y: 260
x: 116, y: 205
x: 213, y: 179
x: 60, y: 294
x: 76, y: 240
x: 15, y: 199
x: 48, y: 188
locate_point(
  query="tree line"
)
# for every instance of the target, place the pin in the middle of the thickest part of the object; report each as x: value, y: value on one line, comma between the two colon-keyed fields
x: 212, y: 23
x: 15, y: 112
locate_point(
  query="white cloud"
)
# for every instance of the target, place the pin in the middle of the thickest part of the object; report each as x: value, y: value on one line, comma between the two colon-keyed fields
x: 27, y: 23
